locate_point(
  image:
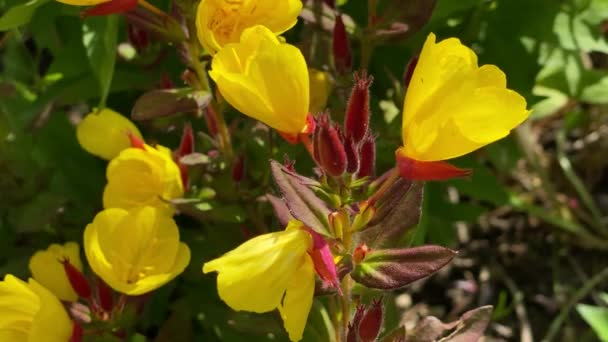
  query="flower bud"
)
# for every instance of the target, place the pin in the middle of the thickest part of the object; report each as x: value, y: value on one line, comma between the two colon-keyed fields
x: 211, y: 121
x: 328, y: 148
x: 356, y: 120
x: 339, y: 221
x: 367, y: 157
x: 353, y: 326
x: 110, y: 7
x: 136, y: 141
x: 409, y: 71
x: 104, y: 294
x: 165, y: 82
x: 323, y: 260
x: 371, y: 322
x: 341, y: 47
x: 138, y: 37
x: 79, y: 282
x: 77, y: 333
x: 366, y: 213
x: 352, y: 155
x: 238, y: 169
x: 360, y: 253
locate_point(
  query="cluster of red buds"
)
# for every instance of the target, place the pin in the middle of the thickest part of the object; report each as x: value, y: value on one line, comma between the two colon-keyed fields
x: 351, y: 149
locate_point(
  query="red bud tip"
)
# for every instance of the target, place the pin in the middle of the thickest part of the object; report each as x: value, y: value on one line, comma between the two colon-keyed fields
x: 238, y: 169
x: 110, y: 7
x: 341, y: 47
x: 417, y: 170
x: 289, y: 164
x: 79, y: 282
x: 371, y: 322
x: 328, y: 148
x: 186, y: 146
x: 211, y: 120
x: 105, y: 295
x: 356, y: 120
x: 367, y: 157
x: 165, y: 82
x: 77, y: 333
x: 360, y: 253
x: 136, y: 141
x: 409, y: 71
x: 353, y: 326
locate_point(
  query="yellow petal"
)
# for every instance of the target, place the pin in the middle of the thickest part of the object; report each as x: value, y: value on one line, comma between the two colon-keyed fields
x: 221, y: 22
x: 82, y: 2
x: 255, y: 275
x: 264, y: 79
x: 47, y: 268
x: 105, y: 133
x: 51, y: 323
x: 320, y: 87
x: 298, y: 300
x: 454, y: 107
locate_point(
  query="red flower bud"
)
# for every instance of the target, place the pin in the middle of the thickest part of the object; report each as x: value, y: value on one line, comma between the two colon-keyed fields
x: 417, y: 170
x: 328, y: 148
x: 367, y: 157
x: 356, y: 120
x: 138, y: 37
x: 330, y: 3
x: 353, y: 326
x: 371, y: 322
x: 211, y: 120
x: 360, y: 253
x: 79, y: 282
x: 136, y: 142
x: 352, y: 155
x: 409, y: 71
x: 341, y: 47
x: 110, y: 7
x: 238, y: 169
x: 105, y: 295
x: 186, y: 146
x: 165, y: 82
x: 77, y: 333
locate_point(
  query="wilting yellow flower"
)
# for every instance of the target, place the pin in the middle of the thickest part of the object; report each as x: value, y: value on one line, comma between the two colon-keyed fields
x: 105, y: 133
x: 320, y: 88
x: 270, y: 271
x: 83, y: 2
x: 453, y: 106
x: 264, y: 79
x: 220, y: 22
x: 29, y: 312
x: 138, y: 177
x: 135, y: 251
x: 47, y: 269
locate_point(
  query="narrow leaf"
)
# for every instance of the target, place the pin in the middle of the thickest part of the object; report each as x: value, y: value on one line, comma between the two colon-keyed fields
x: 166, y: 102
x: 398, y: 211
x: 390, y: 269
x: 302, y: 202
x: 472, y: 325
x: 19, y: 15
x: 99, y: 35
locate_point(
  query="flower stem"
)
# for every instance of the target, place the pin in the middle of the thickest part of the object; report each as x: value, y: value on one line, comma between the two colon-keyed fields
x: 346, y: 287
x: 392, y: 178
x: 152, y: 8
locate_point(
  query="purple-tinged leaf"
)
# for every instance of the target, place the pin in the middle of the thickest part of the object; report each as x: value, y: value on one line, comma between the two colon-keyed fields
x: 398, y: 210
x: 163, y: 102
x: 302, y: 202
x: 390, y: 269
x: 471, y: 326
x: 280, y: 210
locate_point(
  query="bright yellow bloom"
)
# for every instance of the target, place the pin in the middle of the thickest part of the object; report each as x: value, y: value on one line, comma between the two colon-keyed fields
x: 138, y: 177
x: 270, y: 271
x: 135, y: 251
x: 320, y: 88
x: 31, y: 313
x: 453, y: 106
x: 264, y: 79
x: 83, y: 2
x: 220, y: 22
x: 105, y: 133
x: 47, y: 269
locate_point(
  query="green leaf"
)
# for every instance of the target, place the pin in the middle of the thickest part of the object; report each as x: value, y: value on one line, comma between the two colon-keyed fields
x: 99, y: 39
x: 596, y: 317
x: 19, y: 15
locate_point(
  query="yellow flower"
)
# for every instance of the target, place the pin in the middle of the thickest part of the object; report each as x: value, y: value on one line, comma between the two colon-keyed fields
x: 83, y: 2
x: 138, y: 177
x: 270, y: 271
x: 105, y: 133
x: 47, y: 269
x: 264, y: 79
x: 220, y: 22
x: 135, y: 251
x: 453, y: 106
x: 29, y: 312
x: 320, y: 88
